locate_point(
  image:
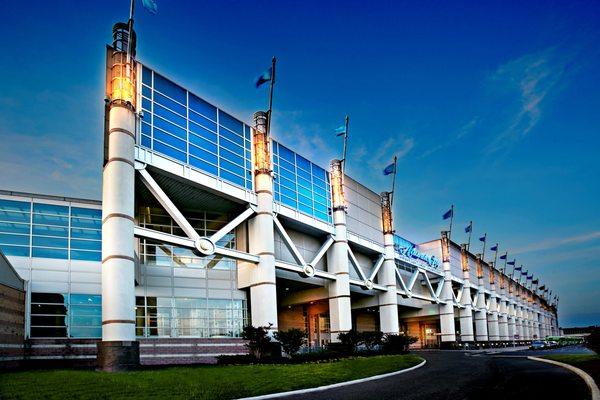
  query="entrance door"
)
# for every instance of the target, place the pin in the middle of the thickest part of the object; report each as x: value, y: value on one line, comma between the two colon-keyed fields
x: 430, y: 335
x: 319, y: 333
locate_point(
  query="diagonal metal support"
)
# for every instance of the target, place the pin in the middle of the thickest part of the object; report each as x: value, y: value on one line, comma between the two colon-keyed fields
x: 218, y: 235
x: 289, y: 243
x: 322, y: 251
x: 401, y: 280
x: 163, y: 237
x: 168, y: 205
x: 377, y: 266
x: 438, y: 289
x: 428, y: 282
x: 355, y: 264
x: 413, y: 279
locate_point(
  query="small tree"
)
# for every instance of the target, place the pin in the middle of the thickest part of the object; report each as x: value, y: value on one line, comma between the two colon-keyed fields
x: 291, y: 340
x: 351, y: 340
x: 372, y: 339
x: 259, y: 342
x: 395, y: 344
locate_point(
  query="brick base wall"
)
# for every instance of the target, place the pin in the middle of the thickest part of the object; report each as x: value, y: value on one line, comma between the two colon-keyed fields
x: 12, y: 327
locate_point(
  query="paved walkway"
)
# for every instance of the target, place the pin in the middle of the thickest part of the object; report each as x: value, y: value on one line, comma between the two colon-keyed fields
x: 468, y: 375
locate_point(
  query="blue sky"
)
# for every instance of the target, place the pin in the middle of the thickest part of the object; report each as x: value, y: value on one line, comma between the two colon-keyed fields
x: 491, y: 106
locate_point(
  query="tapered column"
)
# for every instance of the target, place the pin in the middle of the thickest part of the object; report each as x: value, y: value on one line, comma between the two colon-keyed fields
x: 340, y: 312
x: 466, y: 313
x: 493, y: 326
x: 503, y: 315
x: 519, y: 319
x: 388, y: 304
x: 512, y: 315
x: 261, y: 234
x: 118, y: 349
x: 448, y: 334
x: 481, y: 328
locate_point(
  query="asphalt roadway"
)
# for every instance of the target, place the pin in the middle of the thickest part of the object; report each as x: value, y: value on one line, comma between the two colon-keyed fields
x: 462, y: 375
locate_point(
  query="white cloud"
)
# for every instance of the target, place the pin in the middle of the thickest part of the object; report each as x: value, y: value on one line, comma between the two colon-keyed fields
x: 557, y: 242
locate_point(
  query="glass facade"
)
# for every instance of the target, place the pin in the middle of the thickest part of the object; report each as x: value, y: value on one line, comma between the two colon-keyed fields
x: 205, y: 223
x: 36, y: 229
x: 64, y: 315
x: 191, y: 317
x: 301, y: 184
x: 185, y: 127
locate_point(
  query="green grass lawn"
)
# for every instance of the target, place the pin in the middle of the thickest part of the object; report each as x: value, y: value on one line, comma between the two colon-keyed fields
x: 197, y: 382
x: 590, y: 363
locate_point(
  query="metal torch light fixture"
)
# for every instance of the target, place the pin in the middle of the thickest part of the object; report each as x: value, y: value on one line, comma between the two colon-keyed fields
x: 464, y: 257
x: 122, y: 88
x: 337, y: 185
x: 262, y: 148
x: 445, y: 247
x: 386, y: 213
x: 479, y: 267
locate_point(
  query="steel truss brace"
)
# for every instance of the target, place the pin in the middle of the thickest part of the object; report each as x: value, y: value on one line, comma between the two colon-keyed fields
x: 203, y: 245
x: 407, y: 288
x: 366, y: 282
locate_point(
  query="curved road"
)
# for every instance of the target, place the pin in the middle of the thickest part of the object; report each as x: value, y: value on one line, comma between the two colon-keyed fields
x: 459, y: 375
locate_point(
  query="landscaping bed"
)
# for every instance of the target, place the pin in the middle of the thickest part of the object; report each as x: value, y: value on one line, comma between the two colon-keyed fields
x: 197, y: 382
x: 590, y: 363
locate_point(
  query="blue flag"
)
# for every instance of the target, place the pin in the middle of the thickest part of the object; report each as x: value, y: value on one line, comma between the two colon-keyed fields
x: 529, y: 277
x: 340, y: 130
x: 150, y: 6
x: 511, y: 262
x: 482, y: 239
x: 390, y: 169
x: 448, y: 214
x: 519, y: 268
x: 523, y: 272
x: 503, y: 257
x: 494, y: 248
x: 265, y: 77
x: 468, y: 228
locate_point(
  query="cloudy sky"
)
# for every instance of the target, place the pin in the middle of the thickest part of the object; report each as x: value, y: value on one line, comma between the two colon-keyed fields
x: 491, y: 107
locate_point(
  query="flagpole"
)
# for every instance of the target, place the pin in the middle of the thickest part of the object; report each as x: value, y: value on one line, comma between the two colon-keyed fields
x: 394, y: 181
x: 496, y: 256
x: 273, y: 62
x: 470, y: 232
x: 130, y: 30
x: 345, y: 145
x: 484, y: 242
x: 451, y: 219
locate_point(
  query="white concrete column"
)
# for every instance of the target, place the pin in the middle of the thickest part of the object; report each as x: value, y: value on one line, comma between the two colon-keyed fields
x: 519, y: 322
x: 481, y: 327
x: 493, y: 327
x: 446, y: 309
x: 118, y: 267
x: 466, y: 313
x: 388, y: 305
x: 512, y: 317
x: 261, y: 234
x: 503, y: 316
x: 340, y: 310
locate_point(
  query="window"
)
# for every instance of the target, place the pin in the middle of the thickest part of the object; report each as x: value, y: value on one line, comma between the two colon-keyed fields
x: 48, y: 315
x: 15, y: 226
x: 85, y: 316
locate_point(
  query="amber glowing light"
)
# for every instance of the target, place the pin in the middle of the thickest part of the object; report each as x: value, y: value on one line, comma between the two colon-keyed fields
x: 479, y: 267
x: 262, y: 150
x: 122, y: 79
x: 445, y: 247
x: 337, y: 185
x: 464, y: 257
x: 386, y: 213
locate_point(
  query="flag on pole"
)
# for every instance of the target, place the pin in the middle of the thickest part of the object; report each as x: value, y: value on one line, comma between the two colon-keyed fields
x: 494, y: 248
x: 265, y: 77
x: 511, y: 262
x: 339, y: 131
x: 482, y: 239
x: 535, y: 281
x: 448, y: 214
x: 529, y: 277
x: 524, y: 272
x: 503, y: 256
x: 150, y: 6
x: 469, y: 228
x: 390, y: 169
x: 519, y: 268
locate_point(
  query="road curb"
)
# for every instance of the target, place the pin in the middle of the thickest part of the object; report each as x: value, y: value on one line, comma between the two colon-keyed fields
x: 334, y: 385
x: 582, y: 374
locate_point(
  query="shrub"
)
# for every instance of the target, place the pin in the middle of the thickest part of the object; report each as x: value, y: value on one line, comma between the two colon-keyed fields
x: 372, y: 339
x: 396, y: 344
x: 291, y: 340
x: 350, y: 340
x: 259, y: 342
x: 593, y: 340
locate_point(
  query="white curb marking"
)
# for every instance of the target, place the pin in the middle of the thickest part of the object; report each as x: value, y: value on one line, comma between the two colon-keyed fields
x: 334, y: 385
x: 582, y: 374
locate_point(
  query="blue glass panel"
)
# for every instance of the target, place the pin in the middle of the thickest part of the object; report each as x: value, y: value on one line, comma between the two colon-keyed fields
x: 86, y: 255
x: 203, y: 132
x: 288, y: 201
x: 50, y: 220
x: 168, y: 115
x: 146, y: 91
x: 231, y: 167
x: 44, y: 241
x: 304, y: 183
x: 50, y: 231
x: 232, y: 147
x: 319, y: 183
x: 6, y: 238
x: 170, y: 139
x: 11, y: 205
x: 287, y: 183
x: 146, y: 76
x: 321, y: 207
x: 322, y: 215
x: 10, y: 227
x: 286, y: 154
x: 169, y: 127
x: 86, y: 244
x: 203, y: 143
x: 146, y: 129
x: 15, y: 250
x: 232, y: 178
x: 305, y: 200
x: 86, y: 234
x: 86, y: 223
x: 205, y: 122
x: 146, y: 141
x: 203, y: 165
x: 304, y: 174
x: 305, y: 209
x: 287, y: 165
x: 170, y: 104
x: 167, y: 87
x: 86, y: 212
x: 169, y: 151
x: 200, y: 106
x: 80, y: 332
x: 89, y: 299
x: 305, y: 192
x: 288, y: 192
x: 232, y: 157
x: 203, y: 154
x: 14, y: 216
x: 49, y: 253
x: 320, y: 199
x: 50, y: 209
x: 302, y: 163
x: 231, y: 136
x: 146, y: 105
x: 320, y: 191
x: 231, y: 123
x: 319, y: 172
